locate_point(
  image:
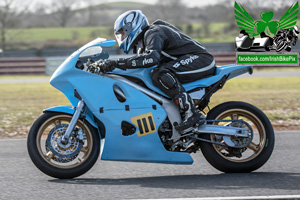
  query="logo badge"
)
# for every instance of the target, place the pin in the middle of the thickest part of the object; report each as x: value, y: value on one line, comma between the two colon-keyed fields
x: 267, y: 37
x: 266, y: 24
x: 145, y: 124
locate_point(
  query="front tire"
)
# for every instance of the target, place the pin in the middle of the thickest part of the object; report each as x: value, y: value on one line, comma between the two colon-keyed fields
x: 50, y: 163
x: 250, y: 158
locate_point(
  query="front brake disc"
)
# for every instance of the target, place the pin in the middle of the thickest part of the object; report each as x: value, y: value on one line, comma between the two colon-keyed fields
x: 63, y: 152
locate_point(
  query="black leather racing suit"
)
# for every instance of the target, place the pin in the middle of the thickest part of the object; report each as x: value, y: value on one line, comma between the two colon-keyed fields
x: 180, y: 59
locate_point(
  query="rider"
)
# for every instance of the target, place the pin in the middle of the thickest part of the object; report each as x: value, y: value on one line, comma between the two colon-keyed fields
x: 286, y: 34
x: 180, y: 59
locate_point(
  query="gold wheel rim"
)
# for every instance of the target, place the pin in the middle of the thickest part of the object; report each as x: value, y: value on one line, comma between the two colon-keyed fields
x: 42, y: 135
x: 259, y: 135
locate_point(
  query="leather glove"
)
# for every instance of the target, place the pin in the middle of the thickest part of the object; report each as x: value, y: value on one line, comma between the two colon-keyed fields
x: 107, y: 66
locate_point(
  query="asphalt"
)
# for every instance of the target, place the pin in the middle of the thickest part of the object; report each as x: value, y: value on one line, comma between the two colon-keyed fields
x: 280, y: 176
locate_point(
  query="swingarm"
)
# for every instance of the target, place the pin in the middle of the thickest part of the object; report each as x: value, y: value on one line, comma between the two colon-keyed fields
x: 235, y: 133
x: 235, y: 128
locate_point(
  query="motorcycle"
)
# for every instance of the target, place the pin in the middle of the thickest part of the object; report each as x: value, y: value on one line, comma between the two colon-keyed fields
x: 284, y: 39
x: 122, y: 116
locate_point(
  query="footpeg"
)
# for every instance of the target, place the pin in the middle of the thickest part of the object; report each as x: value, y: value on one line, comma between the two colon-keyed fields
x: 188, y: 129
x: 188, y: 124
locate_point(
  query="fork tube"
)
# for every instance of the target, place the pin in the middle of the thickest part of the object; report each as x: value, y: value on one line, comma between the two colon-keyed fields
x: 73, y: 122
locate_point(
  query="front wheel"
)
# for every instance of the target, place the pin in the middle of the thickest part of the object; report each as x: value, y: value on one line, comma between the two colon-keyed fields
x: 56, y: 158
x: 240, y: 160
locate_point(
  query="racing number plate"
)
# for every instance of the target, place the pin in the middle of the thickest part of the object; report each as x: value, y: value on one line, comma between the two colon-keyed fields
x: 145, y: 124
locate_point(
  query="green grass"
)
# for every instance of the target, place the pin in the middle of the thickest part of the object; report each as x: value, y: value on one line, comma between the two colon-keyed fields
x: 21, y: 104
x: 23, y: 76
x: 68, y: 33
x: 83, y: 34
x: 277, y: 69
x: 34, y: 35
x: 277, y: 97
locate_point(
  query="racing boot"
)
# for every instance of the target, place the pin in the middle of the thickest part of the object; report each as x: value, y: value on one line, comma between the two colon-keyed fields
x: 192, y: 115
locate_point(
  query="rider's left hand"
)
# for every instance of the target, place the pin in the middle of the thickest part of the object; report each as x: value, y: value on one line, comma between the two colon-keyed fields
x: 107, y: 66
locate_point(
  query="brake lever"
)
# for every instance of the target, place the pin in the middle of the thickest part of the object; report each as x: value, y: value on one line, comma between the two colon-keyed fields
x: 89, y: 62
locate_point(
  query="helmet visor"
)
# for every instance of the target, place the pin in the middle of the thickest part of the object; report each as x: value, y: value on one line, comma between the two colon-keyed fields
x: 121, y: 35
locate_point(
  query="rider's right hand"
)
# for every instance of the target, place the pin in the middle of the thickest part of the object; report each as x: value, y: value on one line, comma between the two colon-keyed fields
x: 107, y: 66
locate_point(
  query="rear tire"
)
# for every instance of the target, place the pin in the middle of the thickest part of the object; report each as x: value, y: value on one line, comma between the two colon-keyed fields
x: 254, y: 155
x: 50, y: 163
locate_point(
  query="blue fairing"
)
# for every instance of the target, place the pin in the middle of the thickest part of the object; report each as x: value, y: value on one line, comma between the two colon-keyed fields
x: 70, y: 110
x: 231, y: 71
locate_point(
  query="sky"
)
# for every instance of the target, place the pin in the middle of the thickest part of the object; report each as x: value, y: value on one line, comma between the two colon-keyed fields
x: 189, y: 3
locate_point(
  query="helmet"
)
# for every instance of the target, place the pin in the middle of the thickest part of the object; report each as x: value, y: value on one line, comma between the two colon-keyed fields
x: 296, y: 30
x: 128, y: 28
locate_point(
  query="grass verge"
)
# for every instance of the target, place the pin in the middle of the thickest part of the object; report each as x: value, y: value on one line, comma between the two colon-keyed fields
x: 22, y: 103
x: 278, y: 97
x: 23, y: 76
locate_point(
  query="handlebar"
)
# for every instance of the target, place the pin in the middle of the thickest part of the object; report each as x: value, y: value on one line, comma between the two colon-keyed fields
x: 93, y: 66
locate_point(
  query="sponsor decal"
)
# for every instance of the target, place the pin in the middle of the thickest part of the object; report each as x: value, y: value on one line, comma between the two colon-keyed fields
x: 185, y: 61
x: 176, y: 65
x: 147, y: 61
x: 133, y: 63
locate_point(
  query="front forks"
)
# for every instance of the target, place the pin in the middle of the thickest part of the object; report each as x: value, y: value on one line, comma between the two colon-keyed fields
x: 73, y: 122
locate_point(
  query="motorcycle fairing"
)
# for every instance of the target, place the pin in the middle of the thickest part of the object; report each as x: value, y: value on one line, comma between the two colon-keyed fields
x: 102, y: 101
x: 70, y: 110
x: 104, y: 105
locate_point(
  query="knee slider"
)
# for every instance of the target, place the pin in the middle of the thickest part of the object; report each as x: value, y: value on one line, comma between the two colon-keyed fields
x: 167, y: 81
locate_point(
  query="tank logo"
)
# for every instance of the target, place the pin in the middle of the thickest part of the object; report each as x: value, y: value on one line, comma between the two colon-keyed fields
x: 145, y: 124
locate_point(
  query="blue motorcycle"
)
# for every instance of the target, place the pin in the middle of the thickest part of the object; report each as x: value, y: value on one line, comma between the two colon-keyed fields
x: 122, y: 116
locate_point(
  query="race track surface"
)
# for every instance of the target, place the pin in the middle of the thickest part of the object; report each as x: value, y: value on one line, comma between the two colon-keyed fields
x: 20, y: 179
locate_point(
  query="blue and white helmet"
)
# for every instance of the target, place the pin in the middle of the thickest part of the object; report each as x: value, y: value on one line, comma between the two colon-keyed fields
x: 128, y: 27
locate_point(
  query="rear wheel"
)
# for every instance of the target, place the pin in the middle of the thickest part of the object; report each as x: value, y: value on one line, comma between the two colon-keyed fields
x: 55, y: 158
x: 250, y: 158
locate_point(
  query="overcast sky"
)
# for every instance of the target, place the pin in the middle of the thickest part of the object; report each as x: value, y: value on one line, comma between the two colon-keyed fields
x: 189, y: 3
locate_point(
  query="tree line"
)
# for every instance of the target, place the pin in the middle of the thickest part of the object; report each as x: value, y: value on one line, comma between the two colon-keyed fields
x: 80, y: 13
